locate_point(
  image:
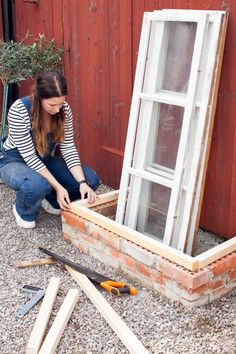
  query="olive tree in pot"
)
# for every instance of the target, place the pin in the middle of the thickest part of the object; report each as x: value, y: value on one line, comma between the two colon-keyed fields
x: 19, y: 61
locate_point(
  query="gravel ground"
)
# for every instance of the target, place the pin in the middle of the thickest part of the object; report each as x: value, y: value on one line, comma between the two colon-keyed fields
x: 163, y: 326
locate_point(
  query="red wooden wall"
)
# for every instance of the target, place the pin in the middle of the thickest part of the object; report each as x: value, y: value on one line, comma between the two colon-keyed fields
x: 101, y: 43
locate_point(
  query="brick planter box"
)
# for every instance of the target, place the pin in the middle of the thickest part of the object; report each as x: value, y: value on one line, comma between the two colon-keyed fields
x: 191, y: 288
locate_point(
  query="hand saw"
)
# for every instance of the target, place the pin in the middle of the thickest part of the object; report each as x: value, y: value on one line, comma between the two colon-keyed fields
x: 110, y: 285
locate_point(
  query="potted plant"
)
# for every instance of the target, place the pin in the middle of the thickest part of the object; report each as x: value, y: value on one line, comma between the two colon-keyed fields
x: 19, y: 61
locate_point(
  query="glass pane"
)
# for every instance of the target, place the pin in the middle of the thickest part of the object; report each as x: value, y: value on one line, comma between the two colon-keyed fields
x: 170, y: 68
x: 166, y: 139
x: 181, y: 38
x: 153, y: 208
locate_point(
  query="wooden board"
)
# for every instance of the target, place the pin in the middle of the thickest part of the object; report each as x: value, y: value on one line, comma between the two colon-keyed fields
x: 120, y: 328
x: 186, y: 261
x: 102, y: 198
x: 34, y: 263
x: 42, y: 319
x: 216, y: 253
x: 136, y: 237
x: 55, y: 332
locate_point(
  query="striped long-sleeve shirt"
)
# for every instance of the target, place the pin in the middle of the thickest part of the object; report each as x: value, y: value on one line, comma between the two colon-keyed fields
x: 20, y: 137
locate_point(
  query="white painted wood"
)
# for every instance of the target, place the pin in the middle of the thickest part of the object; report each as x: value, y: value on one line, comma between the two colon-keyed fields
x: 42, y: 319
x: 172, y: 15
x: 136, y: 168
x: 160, y: 170
x: 140, y: 68
x: 192, y: 12
x: 167, y: 97
x: 201, y: 129
x: 172, y: 212
x: 195, y: 213
x: 139, y: 163
x: 151, y: 177
x: 117, y: 324
x: 55, y: 332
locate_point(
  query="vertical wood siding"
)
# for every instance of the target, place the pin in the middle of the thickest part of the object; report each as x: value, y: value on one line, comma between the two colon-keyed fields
x: 101, y: 40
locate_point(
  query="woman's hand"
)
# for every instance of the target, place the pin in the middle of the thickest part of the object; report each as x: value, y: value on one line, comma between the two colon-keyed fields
x: 91, y: 195
x: 63, y: 198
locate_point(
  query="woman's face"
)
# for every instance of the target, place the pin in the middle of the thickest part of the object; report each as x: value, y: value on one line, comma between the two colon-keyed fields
x: 53, y: 105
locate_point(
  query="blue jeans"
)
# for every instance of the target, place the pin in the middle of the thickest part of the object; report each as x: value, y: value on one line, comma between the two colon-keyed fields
x: 31, y: 188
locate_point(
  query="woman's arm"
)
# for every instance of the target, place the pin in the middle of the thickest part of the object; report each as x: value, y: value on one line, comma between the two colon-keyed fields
x: 72, y: 159
x: 63, y: 198
x: 84, y: 188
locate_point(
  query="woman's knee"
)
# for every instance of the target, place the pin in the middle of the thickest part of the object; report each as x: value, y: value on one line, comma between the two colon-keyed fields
x: 35, y: 189
x: 92, y: 178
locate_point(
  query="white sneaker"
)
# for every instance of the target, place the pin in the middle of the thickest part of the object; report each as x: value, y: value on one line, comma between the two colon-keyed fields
x: 49, y: 208
x: 21, y: 222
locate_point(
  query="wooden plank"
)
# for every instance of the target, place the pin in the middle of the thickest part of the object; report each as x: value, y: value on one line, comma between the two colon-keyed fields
x: 216, y: 253
x: 103, y: 198
x: 34, y: 263
x: 55, y: 332
x: 119, y: 327
x: 42, y: 319
x: 186, y: 261
x: 136, y: 237
x: 113, y: 150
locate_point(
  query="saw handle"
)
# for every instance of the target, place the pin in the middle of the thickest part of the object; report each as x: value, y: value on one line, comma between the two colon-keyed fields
x: 118, y: 288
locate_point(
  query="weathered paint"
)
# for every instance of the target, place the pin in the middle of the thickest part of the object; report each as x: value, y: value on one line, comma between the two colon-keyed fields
x: 101, y: 40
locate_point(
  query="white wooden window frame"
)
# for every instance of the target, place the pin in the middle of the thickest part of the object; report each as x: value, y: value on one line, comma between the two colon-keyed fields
x: 180, y: 226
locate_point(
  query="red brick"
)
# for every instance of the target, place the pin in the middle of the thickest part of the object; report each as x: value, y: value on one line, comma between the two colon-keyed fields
x: 215, y: 294
x: 224, y: 264
x: 108, y: 238
x: 107, y: 209
x: 83, y: 247
x: 69, y: 230
x: 128, y: 261
x: 104, y: 258
x: 84, y: 237
x: 181, y: 275
x: 158, y: 277
x: 217, y: 284
x: 192, y: 288
x: 137, y: 252
x: 143, y: 269
x: 232, y: 274
x: 206, y: 288
x: 114, y: 253
x: 75, y: 221
x: 66, y: 237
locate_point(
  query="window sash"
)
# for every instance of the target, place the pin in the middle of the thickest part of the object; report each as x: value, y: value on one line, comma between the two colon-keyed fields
x: 194, y: 103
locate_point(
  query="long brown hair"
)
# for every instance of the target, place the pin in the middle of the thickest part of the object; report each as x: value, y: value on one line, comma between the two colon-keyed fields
x: 48, y: 84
